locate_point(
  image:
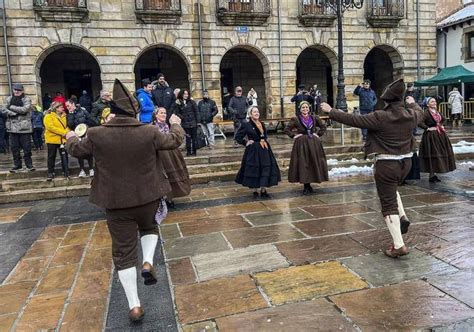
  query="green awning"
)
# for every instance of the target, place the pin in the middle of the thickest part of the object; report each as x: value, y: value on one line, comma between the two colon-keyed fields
x: 449, y: 76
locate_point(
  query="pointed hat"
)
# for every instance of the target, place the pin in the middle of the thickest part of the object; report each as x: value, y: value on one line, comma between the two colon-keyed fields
x: 394, y: 91
x: 123, y: 101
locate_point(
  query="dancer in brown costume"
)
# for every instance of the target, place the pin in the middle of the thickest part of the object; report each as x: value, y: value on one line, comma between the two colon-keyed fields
x: 391, y: 139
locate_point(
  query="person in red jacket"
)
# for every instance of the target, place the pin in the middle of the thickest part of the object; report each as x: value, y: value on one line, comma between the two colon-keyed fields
x: 60, y: 98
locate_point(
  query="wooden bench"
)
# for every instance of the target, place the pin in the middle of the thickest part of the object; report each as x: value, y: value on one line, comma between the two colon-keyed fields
x: 217, y: 126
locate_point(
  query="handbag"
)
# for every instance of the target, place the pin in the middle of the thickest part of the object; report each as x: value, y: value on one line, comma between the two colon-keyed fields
x: 201, y: 139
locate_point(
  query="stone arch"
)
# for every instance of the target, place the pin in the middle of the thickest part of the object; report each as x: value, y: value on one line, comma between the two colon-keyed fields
x: 382, y: 65
x: 69, y: 68
x: 247, y: 66
x: 317, y: 64
x: 170, y: 61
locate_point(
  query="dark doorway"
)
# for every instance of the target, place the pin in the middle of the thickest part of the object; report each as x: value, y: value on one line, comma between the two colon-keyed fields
x: 162, y: 60
x: 70, y: 70
x: 313, y: 67
x: 378, y: 68
x: 241, y: 67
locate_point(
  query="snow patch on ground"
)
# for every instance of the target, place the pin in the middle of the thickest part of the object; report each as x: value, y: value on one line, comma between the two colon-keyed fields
x: 351, y: 170
x: 336, y: 162
x: 463, y: 147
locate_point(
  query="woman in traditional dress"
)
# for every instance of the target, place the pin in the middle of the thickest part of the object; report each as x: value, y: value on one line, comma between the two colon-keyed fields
x: 436, y: 152
x: 259, y: 167
x: 173, y: 163
x: 308, y: 161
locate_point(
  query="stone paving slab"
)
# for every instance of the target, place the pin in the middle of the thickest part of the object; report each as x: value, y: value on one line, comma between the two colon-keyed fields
x: 380, y: 270
x: 458, y: 253
x: 212, y: 225
x: 240, y: 261
x: 277, y: 217
x: 443, y: 212
x: 11, y: 215
x: 181, y: 271
x: 332, y: 226
x: 207, y: 326
x: 216, y: 298
x: 304, y: 316
x: 195, y: 245
x: 307, y: 282
x: 345, y: 197
x: 259, y: 235
x: 459, y: 285
x: 291, y: 203
x: 410, y: 306
x: 336, y: 210
x: 377, y: 220
x: 321, y: 249
x: 465, y: 326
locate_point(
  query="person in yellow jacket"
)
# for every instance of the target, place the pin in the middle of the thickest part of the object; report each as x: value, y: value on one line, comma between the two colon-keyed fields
x: 55, y: 126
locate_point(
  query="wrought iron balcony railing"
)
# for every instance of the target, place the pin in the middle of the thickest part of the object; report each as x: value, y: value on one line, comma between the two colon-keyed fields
x: 315, y: 13
x: 243, y: 12
x: 158, y: 11
x: 61, y: 10
x: 385, y: 13
x: 61, y: 3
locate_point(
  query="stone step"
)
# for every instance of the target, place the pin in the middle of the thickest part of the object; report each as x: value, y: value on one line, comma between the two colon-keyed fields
x: 38, y: 188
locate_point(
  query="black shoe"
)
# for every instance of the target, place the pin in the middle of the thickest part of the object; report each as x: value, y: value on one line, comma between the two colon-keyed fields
x: 434, y: 179
x: 170, y: 204
x: 404, y: 224
x: 188, y: 154
x: 50, y: 177
x: 149, y: 274
x: 264, y: 194
x: 15, y: 169
x: 30, y: 168
x: 255, y: 195
x: 310, y: 188
x: 437, y: 179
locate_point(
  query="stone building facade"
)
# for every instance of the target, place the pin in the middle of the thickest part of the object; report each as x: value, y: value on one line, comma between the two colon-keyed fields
x: 72, y: 45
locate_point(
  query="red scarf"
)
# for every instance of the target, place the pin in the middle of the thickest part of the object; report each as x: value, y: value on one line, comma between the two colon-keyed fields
x: 437, y: 117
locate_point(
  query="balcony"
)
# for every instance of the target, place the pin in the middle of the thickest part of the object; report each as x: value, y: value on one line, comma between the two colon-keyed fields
x: 158, y: 11
x: 313, y: 13
x: 61, y: 10
x: 385, y: 13
x: 243, y: 12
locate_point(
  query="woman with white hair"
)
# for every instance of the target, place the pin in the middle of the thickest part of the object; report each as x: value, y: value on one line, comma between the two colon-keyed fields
x: 455, y: 101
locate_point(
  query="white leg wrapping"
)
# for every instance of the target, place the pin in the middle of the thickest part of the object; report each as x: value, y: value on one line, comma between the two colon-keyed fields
x: 401, y: 210
x: 148, y: 247
x: 128, y: 278
x: 393, y: 224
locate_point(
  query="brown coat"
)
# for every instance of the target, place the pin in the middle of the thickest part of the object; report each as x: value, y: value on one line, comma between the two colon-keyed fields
x: 390, y: 131
x: 128, y: 172
x: 295, y: 127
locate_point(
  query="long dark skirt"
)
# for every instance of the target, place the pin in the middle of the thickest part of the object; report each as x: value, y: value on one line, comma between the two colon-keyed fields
x: 259, y: 167
x: 308, y: 161
x: 436, y: 153
x: 415, y: 168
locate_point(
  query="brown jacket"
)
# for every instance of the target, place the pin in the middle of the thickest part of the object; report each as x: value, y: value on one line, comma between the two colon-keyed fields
x: 128, y: 172
x: 390, y: 131
x: 295, y: 127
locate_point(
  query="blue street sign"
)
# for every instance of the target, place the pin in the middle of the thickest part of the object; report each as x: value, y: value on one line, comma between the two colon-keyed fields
x: 242, y: 29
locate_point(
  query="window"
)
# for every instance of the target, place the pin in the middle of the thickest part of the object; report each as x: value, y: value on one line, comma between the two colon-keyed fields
x: 470, y: 45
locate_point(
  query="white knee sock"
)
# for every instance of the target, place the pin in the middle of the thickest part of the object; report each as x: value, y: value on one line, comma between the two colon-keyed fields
x: 148, y: 247
x: 401, y: 210
x: 393, y: 224
x: 128, y: 278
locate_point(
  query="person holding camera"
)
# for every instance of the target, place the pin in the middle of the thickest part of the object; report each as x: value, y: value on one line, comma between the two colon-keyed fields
x: 301, y: 95
x: 367, y: 101
x: 55, y: 125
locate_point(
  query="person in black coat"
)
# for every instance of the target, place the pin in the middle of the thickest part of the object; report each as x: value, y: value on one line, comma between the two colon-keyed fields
x: 76, y: 116
x: 259, y: 167
x: 207, y: 111
x: 3, y: 131
x: 187, y: 110
x: 163, y: 95
x: 85, y: 101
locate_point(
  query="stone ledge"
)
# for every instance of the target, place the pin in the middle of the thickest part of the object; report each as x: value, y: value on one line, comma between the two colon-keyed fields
x: 158, y: 16
x: 311, y: 20
x: 384, y: 21
x: 61, y: 14
x: 245, y: 18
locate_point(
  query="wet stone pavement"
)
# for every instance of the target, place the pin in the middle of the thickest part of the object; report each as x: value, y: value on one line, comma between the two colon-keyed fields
x: 230, y: 263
